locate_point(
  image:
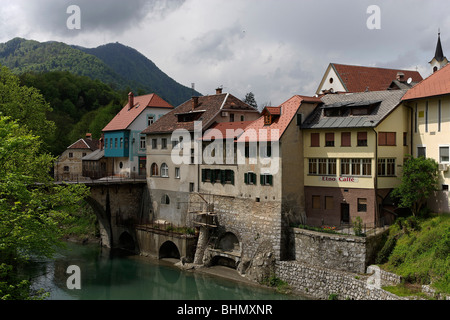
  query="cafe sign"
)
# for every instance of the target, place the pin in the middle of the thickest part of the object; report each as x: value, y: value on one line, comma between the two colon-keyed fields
x: 339, y: 179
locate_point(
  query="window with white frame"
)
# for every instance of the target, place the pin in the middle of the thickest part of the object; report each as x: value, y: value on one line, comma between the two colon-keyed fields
x: 422, y: 151
x: 177, y: 173
x: 322, y: 166
x: 444, y: 154
x: 356, y: 167
x: 164, y: 170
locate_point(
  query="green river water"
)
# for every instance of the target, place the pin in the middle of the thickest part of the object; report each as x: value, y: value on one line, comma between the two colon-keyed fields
x: 108, y: 275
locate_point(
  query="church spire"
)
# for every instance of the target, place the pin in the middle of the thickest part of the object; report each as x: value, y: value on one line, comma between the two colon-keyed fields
x: 439, y: 59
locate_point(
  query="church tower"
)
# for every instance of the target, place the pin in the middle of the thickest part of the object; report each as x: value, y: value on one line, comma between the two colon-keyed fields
x: 439, y: 59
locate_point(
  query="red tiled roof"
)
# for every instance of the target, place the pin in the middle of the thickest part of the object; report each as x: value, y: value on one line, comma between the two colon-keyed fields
x: 207, y: 109
x: 258, y: 131
x: 127, y: 115
x: 92, y: 144
x: 359, y: 78
x: 275, y: 111
x: 228, y: 130
x: 436, y: 84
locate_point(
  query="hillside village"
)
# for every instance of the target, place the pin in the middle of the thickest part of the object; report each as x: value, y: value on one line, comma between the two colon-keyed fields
x: 214, y: 162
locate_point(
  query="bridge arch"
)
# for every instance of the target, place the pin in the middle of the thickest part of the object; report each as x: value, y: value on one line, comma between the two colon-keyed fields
x: 229, y: 242
x: 126, y: 241
x: 169, y: 250
x: 104, y: 221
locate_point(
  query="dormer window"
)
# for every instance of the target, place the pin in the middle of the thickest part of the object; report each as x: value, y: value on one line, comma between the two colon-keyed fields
x: 267, y: 120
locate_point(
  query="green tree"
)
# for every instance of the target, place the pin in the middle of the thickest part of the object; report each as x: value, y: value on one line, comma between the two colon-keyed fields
x: 250, y: 100
x: 419, y: 181
x: 32, y: 207
x: 24, y: 104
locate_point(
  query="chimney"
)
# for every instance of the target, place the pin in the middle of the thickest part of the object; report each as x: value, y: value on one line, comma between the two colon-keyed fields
x: 194, y: 103
x: 89, y: 136
x: 130, y: 100
x: 400, y: 76
x: 219, y: 91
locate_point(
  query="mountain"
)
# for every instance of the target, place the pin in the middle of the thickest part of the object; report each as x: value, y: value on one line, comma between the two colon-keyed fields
x: 119, y: 66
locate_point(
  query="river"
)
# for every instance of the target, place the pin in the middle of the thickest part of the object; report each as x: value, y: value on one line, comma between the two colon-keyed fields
x: 112, y: 275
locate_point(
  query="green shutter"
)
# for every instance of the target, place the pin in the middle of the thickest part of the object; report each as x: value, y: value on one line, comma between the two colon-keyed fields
x: 232, y: 177
x: 261, y: 179
x: 246, y: 178
x: 254, y: 178
x: 270, y: 180
x: 223, y: 176
x: 203, y: 175
x: 213, y: 176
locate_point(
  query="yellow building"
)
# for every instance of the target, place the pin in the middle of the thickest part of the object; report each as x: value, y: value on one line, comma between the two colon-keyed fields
x: 430, y: 102
x: 354, y: 147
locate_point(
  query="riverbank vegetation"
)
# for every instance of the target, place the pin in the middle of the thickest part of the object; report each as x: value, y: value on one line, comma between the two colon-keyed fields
x: 418, y: 249
x: 32, y: 207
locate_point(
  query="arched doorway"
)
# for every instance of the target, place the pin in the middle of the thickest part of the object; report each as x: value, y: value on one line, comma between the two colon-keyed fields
x: 126, y: 242
x: 169, y: 250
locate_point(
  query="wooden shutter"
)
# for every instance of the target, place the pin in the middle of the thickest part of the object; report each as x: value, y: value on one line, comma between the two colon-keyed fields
x: 346, y: 139
x: 270, y: 177
x: 382, y: 138
x: 246, y: 178
x: 315, y: 139
x: 390, y: 138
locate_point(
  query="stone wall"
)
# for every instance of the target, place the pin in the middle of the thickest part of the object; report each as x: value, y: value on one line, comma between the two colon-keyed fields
x: 254, y: 223
x: 334, y: 251
x: 321, y: 283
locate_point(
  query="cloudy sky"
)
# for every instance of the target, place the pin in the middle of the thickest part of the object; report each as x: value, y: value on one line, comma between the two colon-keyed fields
x: 273, y: 48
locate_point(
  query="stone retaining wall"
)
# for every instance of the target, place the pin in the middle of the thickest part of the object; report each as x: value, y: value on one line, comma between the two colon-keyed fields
x: 321, y: 283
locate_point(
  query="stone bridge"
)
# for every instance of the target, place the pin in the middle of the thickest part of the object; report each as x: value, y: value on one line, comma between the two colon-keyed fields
x: 124, y: 213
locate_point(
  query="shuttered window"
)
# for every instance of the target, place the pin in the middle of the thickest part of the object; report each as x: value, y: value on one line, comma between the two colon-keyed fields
x: 362, y: 139
x: 346, y: 139
x: 387, y: 139
x: 329, y: 139
x: 315, y: 139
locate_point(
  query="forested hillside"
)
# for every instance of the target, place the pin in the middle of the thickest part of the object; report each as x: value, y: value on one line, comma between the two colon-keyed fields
x: 119, y: 66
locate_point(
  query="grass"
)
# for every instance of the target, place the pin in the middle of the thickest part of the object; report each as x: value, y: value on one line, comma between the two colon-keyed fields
x: 274, y: 282
x: 419, y: 251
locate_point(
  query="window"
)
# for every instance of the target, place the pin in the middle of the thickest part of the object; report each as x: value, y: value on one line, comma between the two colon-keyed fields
x: 164, y: 170
x: 164, y: 143
x: 250, y: 178
x: 329, y: 139
x: 121, y: 143
x: 106, y: 143
x: 329, y: 203
x: 250, y: 150
x: 177, y: 173
x: 315, y: 139
x: 266, y: 179
x: 193, y: 156
x: 142, y: 142
x: 356, y: 167
x: 386, y: 167
x: 265, y: 151
x: 362, y: 205
x: 115, y: 143
x: 444, y: 154
x: 111, y: 143
x: 322, y: 166
x: 422, y: 152
x: 70, y: 154
x: 267, y: 119
x: 316, y: 202
x: 405, y: 138
x: 165, y: 199
x: 66, y: 169
x: 191, y: 187
x: 84, y: 154
x: 416, y: 119
x: 231, y: 117
x: 362, y: 139
x: 154, y: 143
x: 154, y: 169
x: 346, y: 139
x: 445, y: 187
x: 242, y: 118
x: 150, y: 120
x: 386, y: 138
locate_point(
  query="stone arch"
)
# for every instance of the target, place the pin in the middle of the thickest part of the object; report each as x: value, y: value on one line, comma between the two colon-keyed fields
x: 224, y: 261
x: 229, y: 242
x: 126, y: 241
x: 169, y: 250
x: 104, y: 220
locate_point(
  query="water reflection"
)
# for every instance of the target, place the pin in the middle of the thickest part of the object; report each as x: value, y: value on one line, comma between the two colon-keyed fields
x: 112, y: 275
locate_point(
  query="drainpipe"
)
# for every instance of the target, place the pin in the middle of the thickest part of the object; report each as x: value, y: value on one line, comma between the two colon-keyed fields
x: 376, y: 177
x: 411, y: 126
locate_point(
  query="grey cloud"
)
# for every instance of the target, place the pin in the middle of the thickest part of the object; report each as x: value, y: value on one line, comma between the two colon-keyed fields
x: 114, y: 16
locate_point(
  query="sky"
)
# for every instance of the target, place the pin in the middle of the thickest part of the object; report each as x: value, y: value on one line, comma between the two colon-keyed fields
x: 273, y: 48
